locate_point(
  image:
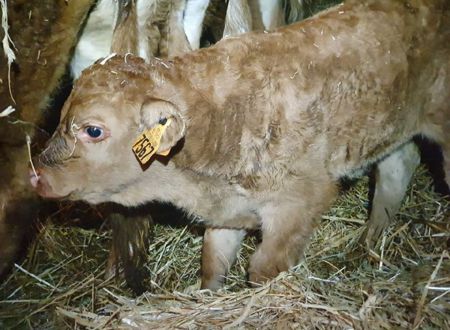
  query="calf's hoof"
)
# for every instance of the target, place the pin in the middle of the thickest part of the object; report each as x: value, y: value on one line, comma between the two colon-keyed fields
x: 263, y: 269
x: 373, y: 232
x: 212, y: 284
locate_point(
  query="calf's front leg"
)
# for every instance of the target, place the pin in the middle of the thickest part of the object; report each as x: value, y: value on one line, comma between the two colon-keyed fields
x: 220, y: 247
x: 287, y: 225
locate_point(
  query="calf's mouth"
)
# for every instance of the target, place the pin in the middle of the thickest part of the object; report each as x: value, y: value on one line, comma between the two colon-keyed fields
x: 40, y: 183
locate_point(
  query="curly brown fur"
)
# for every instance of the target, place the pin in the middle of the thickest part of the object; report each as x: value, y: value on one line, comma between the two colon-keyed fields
x: 263, y: 125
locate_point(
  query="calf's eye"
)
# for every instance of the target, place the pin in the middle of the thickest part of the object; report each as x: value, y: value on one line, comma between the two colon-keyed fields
x: 94, y: 132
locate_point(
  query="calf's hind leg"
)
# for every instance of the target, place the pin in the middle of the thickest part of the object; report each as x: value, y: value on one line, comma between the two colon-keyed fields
x: 287, y: 224
x: 392, y: 176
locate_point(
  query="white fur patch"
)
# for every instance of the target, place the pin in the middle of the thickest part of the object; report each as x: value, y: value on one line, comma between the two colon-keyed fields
x: 270, y: 10
x: 9, y: 110
x: 194, y: 15
x: 95, y: 41
x: 145, y: 10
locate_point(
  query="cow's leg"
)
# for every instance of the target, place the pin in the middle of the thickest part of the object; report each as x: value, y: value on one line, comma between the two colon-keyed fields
x: 297, y: 10
x: 220, y: 247
x: 18, y: 216
x: 392, y: 176
x: 194, y: 15
x: 287, y: 224
x: 125, y: 36
x: 177, y: 41
x: 238, y: 18
x: 272, y: 13
x: 19, y: 206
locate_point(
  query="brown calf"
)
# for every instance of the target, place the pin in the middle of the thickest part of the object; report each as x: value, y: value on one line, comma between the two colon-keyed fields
x: 261, y: 126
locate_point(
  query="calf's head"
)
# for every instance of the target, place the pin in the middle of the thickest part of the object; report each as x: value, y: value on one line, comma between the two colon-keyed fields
x: 90, y: 155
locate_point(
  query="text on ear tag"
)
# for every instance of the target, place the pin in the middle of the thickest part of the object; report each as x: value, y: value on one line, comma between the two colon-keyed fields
x: 147, y: 144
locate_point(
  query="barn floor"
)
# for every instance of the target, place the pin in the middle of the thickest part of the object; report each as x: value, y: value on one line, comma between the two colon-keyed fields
x: 403, y: 283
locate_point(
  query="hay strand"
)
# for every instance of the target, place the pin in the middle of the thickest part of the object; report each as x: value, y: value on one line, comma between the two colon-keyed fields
x: 7, y: 44
x: 30, y: 159
x: 9, y: 110
x: 418, y: 318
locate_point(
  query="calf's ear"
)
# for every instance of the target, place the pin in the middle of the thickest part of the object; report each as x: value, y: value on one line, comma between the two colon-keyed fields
x: 154, y: 112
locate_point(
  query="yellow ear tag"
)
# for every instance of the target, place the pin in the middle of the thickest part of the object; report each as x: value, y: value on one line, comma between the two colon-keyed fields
x: 147, y: 144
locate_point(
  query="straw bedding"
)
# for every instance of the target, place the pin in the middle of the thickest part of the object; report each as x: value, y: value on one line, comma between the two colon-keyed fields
x: 403, y: 283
